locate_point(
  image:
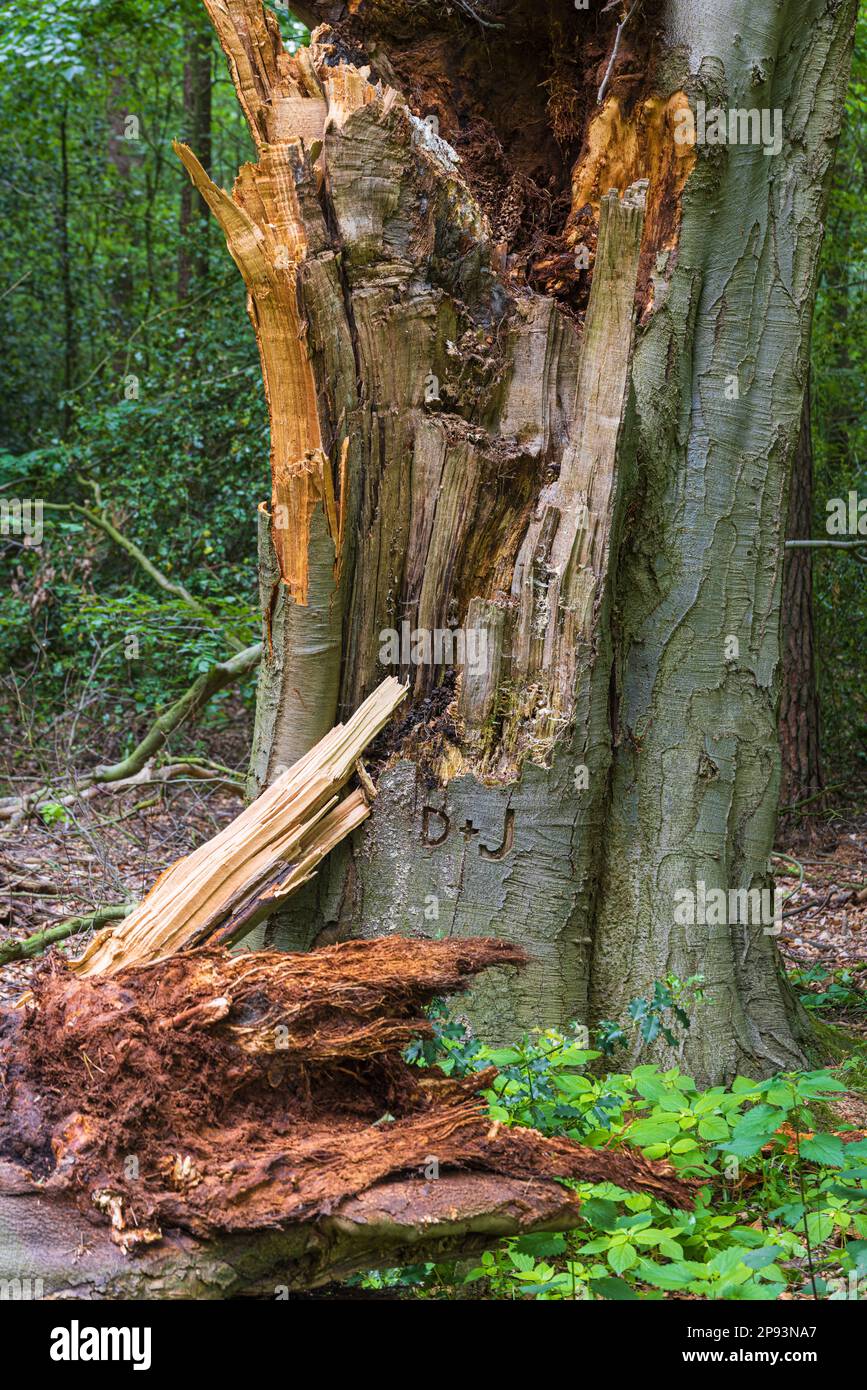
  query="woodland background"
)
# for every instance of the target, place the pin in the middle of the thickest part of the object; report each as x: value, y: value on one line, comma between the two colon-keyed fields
x: 130, y: 374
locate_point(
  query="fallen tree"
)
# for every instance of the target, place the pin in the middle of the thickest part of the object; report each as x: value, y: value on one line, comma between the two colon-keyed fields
x: 39, y: 941
x: 213, y: 1124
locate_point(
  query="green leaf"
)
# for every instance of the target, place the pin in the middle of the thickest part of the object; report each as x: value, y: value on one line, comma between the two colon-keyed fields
x: 541, y: 1244
x: 820, y: 1226
x: 600, y: 1214
x: 823, y: 1148
x: 616, y: 1289
x: 504, y: 1056
x: 713, y: 1127
x: 754, y: 1129
x: 622, y: 1257
x: 683, y: 1146
x: 758, y: 1259
x: 856, y: 1250
x: 673, y: 1276
x: 726, y: 1263
x: 671, y: 1249
x: 652, y: 1131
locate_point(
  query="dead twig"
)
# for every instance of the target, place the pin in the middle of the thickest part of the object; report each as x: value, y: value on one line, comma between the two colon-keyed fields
x: 616, y: 49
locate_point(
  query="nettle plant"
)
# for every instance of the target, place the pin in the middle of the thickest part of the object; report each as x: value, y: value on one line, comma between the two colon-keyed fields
x: 782, y: 1203
x: 820, y: 989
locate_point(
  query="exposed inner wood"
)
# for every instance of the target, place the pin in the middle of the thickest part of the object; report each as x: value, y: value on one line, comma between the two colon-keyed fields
x: 258, y: 1091
x: 471, y: 421
x: 476, y: 424
x: 228, y: 885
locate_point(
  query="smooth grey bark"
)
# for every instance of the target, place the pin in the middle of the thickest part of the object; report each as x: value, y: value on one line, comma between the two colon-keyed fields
x: 697, y: 800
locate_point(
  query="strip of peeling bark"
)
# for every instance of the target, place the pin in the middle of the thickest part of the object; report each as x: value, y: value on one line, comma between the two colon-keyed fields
x: 272, y: 224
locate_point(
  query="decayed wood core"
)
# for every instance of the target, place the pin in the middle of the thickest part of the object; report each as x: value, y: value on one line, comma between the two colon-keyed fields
x: 219, y: 1095
x: 444, y: 431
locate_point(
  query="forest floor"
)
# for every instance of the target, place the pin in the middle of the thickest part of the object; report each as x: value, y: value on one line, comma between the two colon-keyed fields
x: 824, y: 936
x: 111, y: 849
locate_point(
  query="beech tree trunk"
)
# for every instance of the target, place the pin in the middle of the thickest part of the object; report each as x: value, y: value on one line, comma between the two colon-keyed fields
x: 535, y: 373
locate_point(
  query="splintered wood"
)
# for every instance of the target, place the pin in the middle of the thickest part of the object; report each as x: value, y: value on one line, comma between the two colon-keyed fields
x: 261, y: 1091
x: 267, y: 238
x: 228, y: 885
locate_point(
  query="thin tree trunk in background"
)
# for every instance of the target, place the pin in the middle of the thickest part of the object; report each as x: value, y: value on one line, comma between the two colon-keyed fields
x: 120, y: 155
x: 66, y: 274
x: 193, y: 249
x: 799, y: 705
x: 558, y: 419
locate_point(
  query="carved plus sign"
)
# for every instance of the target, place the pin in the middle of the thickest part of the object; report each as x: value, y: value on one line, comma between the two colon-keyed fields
x: 468, y: 830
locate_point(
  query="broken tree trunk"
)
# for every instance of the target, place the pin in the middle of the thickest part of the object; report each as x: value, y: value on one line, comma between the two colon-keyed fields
x: 242, y: 1123
x: 394, y: 1224
x: 530, y: 447
x: 231, y: 883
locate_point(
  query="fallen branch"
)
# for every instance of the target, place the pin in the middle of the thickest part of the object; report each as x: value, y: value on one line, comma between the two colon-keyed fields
x: 34, y: 945
x: 231, y: 883
x: 189, y: 705
x: 137, y: 768
x: 826, y: 545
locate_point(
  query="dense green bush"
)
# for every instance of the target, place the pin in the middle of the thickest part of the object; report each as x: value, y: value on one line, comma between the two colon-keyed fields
x: 782, y: 1201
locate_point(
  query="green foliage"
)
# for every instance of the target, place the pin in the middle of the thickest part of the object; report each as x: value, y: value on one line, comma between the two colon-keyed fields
x: 839, y: 372
x: 782, y: 1202
x: 657, y: 1016
x: 837, y: 990
x: 113, y: 371
x: 181, y: 470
